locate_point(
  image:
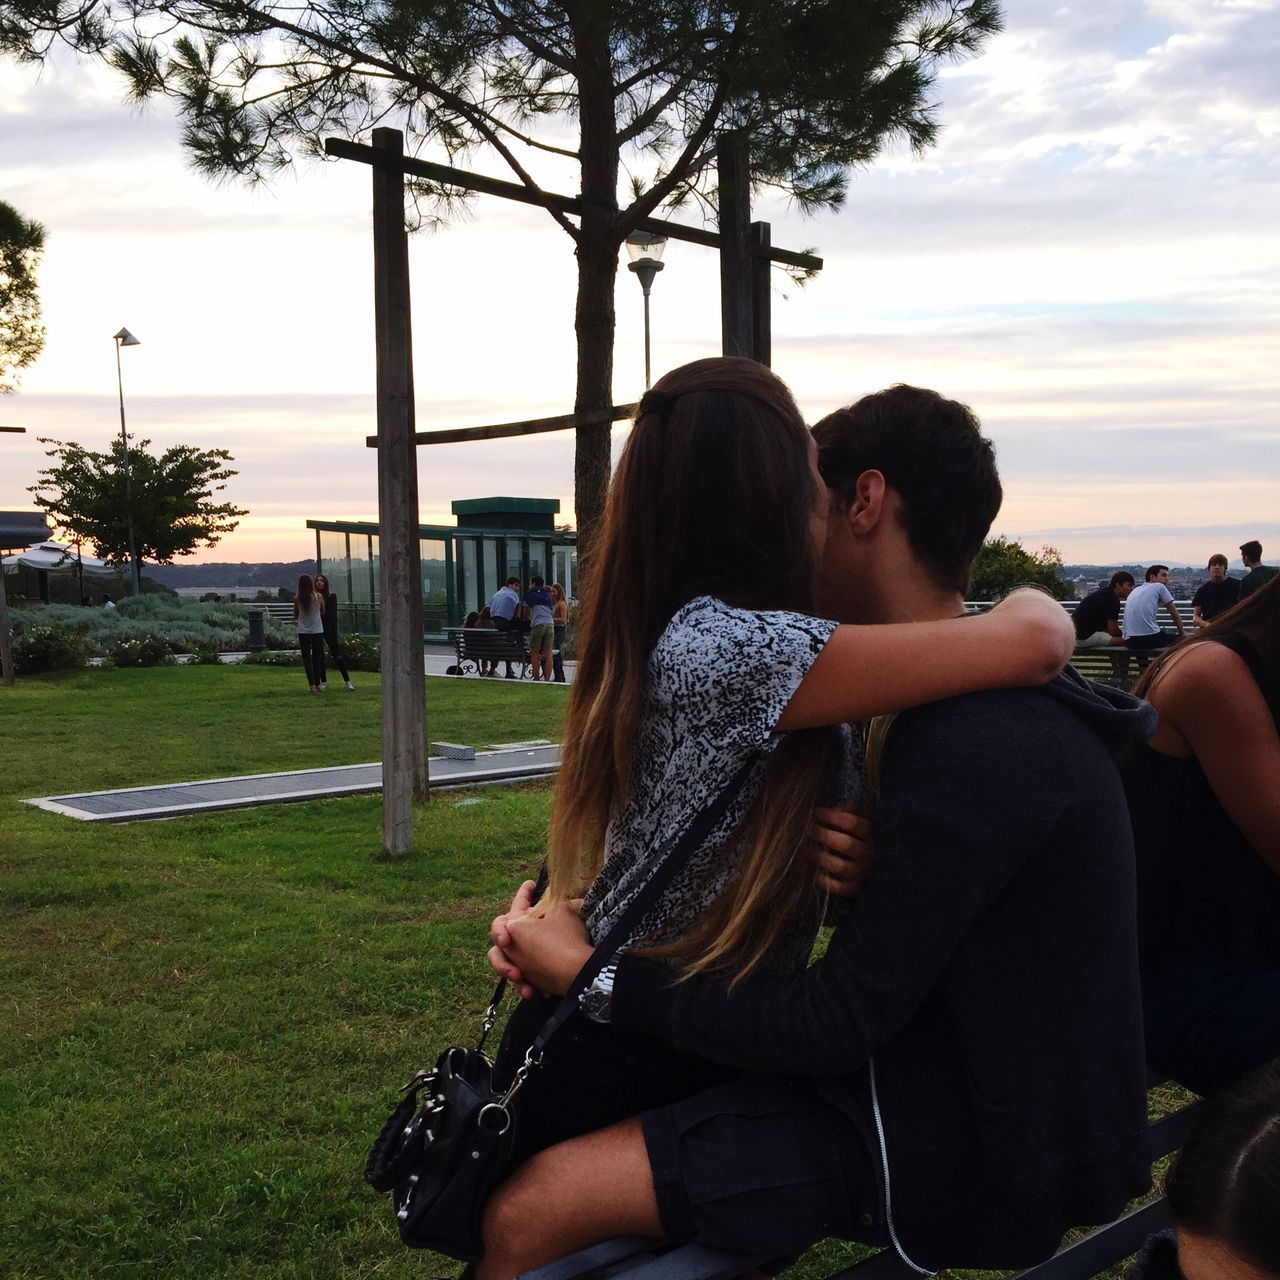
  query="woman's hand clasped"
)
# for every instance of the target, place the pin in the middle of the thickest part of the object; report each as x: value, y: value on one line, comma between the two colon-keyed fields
x: 842, y: 850
x: 539, y: 950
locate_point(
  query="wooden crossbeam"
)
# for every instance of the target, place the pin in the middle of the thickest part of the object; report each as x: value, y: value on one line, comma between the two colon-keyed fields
x: 529, y: 427
x: 341, y: 149
x: 20, y: 430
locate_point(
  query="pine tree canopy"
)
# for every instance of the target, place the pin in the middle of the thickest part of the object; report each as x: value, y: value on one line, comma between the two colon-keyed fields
x: 21, y: 333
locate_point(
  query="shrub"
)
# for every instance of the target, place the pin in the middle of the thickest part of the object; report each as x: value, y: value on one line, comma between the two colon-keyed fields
x: 43, y: 648
x: 146, y: 650
x: 205, y: 657
x: 275, y: 658
x: 362, y: 653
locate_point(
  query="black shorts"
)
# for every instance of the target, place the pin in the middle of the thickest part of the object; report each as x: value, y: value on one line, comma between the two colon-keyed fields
x: 763, y: 1165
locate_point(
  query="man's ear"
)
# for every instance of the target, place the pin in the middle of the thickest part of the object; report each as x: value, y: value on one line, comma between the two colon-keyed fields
x: 868, y: 507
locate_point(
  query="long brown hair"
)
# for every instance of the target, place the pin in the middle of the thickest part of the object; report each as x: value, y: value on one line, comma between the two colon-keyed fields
x: 1256, y: 617
x: 303, y: 601
x: 713, y: 496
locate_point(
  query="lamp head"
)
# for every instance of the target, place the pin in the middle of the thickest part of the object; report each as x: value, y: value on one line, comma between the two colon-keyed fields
x: 126, y: 339
x: 645, y: 244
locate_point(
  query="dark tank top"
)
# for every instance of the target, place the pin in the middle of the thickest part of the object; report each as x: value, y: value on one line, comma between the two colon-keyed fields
x: 1200, y: 883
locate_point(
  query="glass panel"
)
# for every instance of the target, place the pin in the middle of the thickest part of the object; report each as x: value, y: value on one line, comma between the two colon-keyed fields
x: 565, y: 562
x: 538, y: 559
x: 468, y: 577
x: 362, y: 588
x: 515, y: 561
x: 435, y: 596
x: 489, y: 563
x: 333, y: 557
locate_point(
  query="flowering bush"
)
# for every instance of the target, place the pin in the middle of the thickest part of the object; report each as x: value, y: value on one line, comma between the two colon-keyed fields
x: 362, y: 653
x: 146, y: 650
x: 42, y: 648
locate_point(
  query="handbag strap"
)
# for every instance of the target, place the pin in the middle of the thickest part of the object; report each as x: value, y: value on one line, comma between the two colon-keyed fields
x: 671, y: 859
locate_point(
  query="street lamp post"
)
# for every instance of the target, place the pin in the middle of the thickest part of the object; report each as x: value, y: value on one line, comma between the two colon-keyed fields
x: 644, y: 248
x: 125, y: 339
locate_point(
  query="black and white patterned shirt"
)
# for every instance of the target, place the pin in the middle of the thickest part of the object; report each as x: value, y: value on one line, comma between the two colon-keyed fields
x: 719, y: 678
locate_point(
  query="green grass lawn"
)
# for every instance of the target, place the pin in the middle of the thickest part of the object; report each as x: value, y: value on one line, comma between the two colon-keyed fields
x: 205, y: 1019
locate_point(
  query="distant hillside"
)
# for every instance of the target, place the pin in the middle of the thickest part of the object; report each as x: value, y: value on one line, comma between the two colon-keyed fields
x: 251, y: 576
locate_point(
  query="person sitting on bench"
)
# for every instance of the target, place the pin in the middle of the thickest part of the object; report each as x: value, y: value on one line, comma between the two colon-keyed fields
x: 961, y: 1074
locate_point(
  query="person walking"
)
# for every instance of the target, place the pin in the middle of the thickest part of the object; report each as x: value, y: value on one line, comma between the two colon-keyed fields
x: 329, y: 609
x: 309, y: 616
x: 559, y: 621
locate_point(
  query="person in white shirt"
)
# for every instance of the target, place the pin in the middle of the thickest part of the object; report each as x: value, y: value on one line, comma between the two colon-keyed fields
x: 1141, y: 630
x: 502, y: 609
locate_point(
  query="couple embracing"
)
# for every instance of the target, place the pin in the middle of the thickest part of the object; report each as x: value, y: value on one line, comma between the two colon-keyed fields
x: 961, y: 1073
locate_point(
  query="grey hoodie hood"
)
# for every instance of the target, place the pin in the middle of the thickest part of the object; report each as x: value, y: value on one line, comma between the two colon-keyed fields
x: 1118, y: 718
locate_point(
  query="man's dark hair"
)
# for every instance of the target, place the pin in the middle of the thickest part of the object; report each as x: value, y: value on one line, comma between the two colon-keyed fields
x: 1251, y: 550
x: 932, y: 453
x: 1119, y: 579
x: 1156, y: 569
x: 513, y: 579
x: 1218, y: 559
x: 535, y: 581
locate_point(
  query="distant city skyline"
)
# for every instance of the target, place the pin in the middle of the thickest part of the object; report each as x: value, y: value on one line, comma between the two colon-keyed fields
x: 1089, y: 258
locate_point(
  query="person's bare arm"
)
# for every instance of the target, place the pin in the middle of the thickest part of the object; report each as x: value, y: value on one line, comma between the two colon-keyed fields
x: 1209, y: 702
x: 1113, y: 630
x: 1176, y: 616
x: 865, y: 671
x: 1197, y: 618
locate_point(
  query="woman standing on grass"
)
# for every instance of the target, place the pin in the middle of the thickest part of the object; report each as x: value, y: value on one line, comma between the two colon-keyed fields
x: 559, y: 620
x: 309, y: 616
x: 329, y: 608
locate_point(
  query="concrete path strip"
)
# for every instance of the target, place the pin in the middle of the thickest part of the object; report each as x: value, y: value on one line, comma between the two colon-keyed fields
x: 175, y: 799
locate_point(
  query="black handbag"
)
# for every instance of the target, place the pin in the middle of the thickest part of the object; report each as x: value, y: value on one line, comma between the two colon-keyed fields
x: 449, y: 1142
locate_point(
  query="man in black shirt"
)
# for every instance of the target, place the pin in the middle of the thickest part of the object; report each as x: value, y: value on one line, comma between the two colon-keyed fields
x: 1215, y: 596
x: 1097, y: 616
x: 972, y: 1037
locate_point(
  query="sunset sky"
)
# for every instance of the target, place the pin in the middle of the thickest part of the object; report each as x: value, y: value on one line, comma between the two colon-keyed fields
x: 1089, y: 257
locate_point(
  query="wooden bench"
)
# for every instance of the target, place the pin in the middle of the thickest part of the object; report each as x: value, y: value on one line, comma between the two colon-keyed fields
x: 478, y: 648
x: 637, y: 1258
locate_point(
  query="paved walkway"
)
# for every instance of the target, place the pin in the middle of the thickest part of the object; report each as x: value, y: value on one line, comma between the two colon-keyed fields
x: 514, y: 763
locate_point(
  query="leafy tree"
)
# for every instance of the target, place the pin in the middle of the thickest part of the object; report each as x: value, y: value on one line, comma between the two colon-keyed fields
x: 21, y: 333
x: 634, y: 93
x: 174, y: 511
x: 1003, y: 564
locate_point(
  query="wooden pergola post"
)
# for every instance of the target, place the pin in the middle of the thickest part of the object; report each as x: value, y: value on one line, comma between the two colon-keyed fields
x: 404, y: 702
x: 6, y: 648
x: 734, y: 177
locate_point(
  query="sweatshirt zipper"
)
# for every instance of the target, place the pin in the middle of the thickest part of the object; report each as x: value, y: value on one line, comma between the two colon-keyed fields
x: 884, y: 1167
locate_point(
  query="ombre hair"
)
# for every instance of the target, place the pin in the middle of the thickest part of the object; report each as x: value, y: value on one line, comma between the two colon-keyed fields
x: 713, y: 496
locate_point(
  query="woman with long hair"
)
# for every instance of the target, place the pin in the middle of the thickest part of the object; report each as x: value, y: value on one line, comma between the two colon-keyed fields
x: 329, y: 609
x: 559, y: 620
x: 701, y: 655
x: 309, y: 616
x: 1205, y: 803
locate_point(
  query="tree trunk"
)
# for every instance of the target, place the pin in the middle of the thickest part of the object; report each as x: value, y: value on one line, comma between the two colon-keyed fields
x: 597, y: 271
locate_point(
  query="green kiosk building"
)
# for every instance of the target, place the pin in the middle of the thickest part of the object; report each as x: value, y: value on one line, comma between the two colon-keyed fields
x: 494, y: 539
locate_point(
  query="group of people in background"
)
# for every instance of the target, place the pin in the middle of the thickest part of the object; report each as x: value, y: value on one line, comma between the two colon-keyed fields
x: 541, y: 614
x: 1097, y: 616
x: 315, y: 610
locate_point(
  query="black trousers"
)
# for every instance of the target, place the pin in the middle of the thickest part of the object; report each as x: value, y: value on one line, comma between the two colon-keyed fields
x: 312, y: 657
x: 335, y: 648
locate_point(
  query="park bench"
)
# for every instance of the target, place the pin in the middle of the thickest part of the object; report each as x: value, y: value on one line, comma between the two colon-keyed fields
x: 478, y: 648
x: 637, y: 1258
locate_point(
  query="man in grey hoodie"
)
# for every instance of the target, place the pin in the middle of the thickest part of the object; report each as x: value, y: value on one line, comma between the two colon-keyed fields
x: 961, y: 1074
